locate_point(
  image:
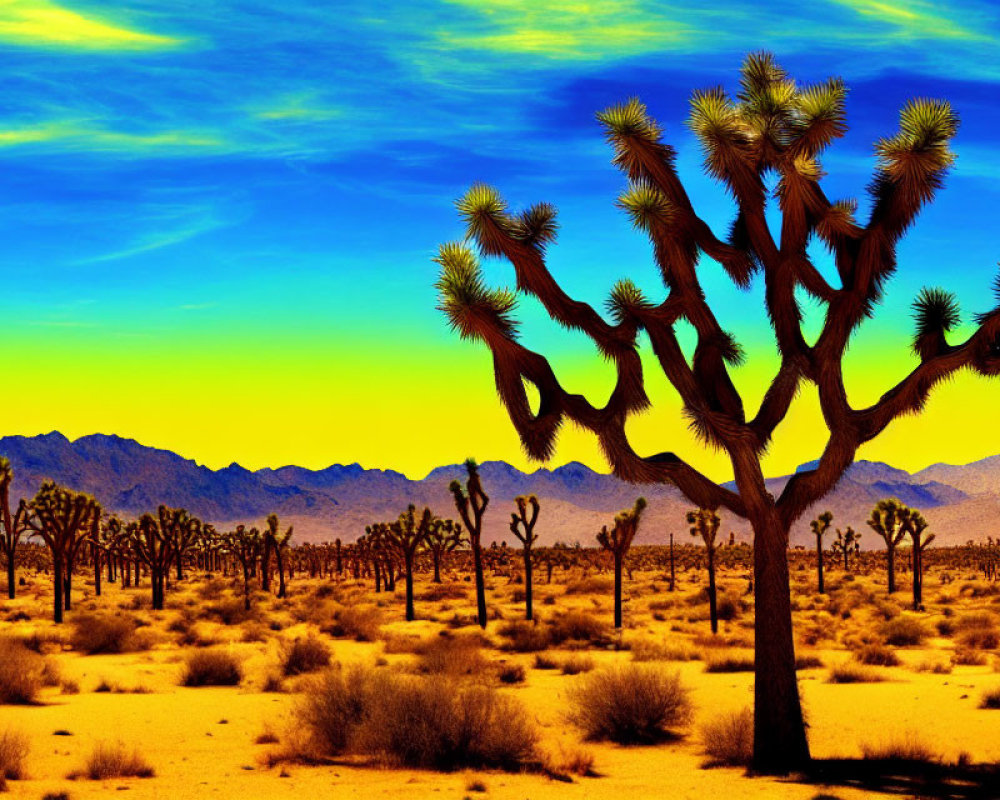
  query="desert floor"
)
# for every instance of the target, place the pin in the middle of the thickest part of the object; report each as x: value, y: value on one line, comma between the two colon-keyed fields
x: 201, y: 742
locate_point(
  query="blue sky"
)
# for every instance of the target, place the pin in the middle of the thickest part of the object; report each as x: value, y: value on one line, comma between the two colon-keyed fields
x: 241, y: 187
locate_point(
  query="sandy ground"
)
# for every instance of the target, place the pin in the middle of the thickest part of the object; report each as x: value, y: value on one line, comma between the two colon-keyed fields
x: 201, y: 740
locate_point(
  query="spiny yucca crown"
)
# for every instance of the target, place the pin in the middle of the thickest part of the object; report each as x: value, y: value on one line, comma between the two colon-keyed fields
x: 921, y: 147
x: 629, y: 120
x: 464, y: 296
x: 626, y: 298
x: 935, y: 311
x: 646, y: 205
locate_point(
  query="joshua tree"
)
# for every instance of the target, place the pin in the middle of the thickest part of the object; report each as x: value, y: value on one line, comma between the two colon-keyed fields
x: 407, y: 535
x: 820, y: 526
x: 14, y: 525
x: 62, y: 519
x: 673, y: 576
x: 445, y: 536
x: 705, y: 523
x: 152, y: 545
x: 847, y: 542
x: 885, y: 521
x: 471, y: 504
x: 522, y: 525
x: 617, y: 541
x: 914, y: 524
x: 276, y: 541
x: 773, y: 131
x: 245, y: 545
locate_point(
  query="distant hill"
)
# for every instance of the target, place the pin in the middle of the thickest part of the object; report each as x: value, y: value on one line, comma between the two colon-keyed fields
x: 961, y: 502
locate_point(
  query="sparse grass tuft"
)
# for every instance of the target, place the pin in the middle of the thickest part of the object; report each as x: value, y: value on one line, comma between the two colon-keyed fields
x: 849, y: 672
x: 14, y: 748
x: 728, y: 739
x: 114, y: 760
x: 212, y: 668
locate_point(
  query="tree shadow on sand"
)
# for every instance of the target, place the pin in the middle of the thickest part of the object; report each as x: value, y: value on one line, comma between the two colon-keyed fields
x: 907, y: 777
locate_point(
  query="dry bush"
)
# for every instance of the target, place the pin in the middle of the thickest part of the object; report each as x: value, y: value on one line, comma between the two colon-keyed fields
x: 361, y: 623
x: 511, y: 673
x: 850, y: 672
x: 102, y: 633
x: 592, y: 585
x: 630, y: 704
x: 415, y: 722
x: 545, y: 661
x: 650, y: 650
x: 964, y: 657
x: 43, y: 642
x: 898, y: 747
x: 576, y: 665
x: 114, y: 760
x: 711, y: 640
x: 437, y: 592
x: 990, y: 699
x: 304, y: 655
x: 563, y: 763
x: 232, y: 611
x: 728, y: 739
x: 212, y: 668
x: 808, y: 661
x: 729, y: 662
x: 979, y: 639
x: 903, y: 631
x: 933, y: 666
x: 526, y: 637
x: 14, y: 748
x: 728, y: 607
x: 22, y: 673
x: 452, y: 655
x: 877, y: 655
x: 579, y: 626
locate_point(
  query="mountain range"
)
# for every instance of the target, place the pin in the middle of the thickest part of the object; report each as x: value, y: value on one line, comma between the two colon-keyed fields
x: 961, y: 502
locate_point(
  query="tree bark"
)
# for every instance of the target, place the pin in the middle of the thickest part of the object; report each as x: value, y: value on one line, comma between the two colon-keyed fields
x: 10, y: 575
x: 410, y: 615
x: 819, y: 562
x: 713, y: 606
x: 57, y: 581
x: 477, y: 560
x: 890, y: 555
x: 780, y: 743
x: 529, y: 613
x: 618, y: 591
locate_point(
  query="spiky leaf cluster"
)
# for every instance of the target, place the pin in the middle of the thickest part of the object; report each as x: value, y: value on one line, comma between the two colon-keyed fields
x: 470, y: 305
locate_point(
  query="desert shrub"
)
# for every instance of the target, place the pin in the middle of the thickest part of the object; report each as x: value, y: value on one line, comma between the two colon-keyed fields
x: 899, y: 748
x: 578, y: 626
x: 452, y: 655
x: 728, y: 607
x: 254, y: 632
x: 650, y: 650
x: 903, y: 631
x: 934, y: 666
x: 965, y: 657
x: 850, y: 672
x: 526, y: 637
x: 304, y: 655
x: 14, y: 748
x: 877, y: 655
x: 945, y: 627
x: 22, y: 673
x: 231, y: 611
x: 990, y: 699
x: 592, y: 585
x: 576, y: 664
x: 114, y: 760
x: 444, y: 591
x: 415, y: 722
x: 729, y: 662
x: 545, y: 661
x: 511, y: 673
x: 361, y: 623
x: 102, y: 633
x: 212, y: 668
x: 979, y: 639
x: 566, y: 762
x: 886, y: 609
x: 630, y: 704
x: 808, y: 662
x: 728, y: 738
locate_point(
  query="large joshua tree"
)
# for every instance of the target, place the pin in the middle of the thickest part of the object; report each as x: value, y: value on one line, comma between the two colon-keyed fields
x: 886, y: 520
x: 773, y: 131
x: 15, y: 524
x: 471, y: 503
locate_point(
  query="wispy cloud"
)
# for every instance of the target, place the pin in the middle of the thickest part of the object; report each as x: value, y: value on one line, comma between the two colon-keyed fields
x: 38, y: 23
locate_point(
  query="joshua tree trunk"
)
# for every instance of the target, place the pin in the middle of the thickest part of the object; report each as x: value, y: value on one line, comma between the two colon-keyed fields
x: 57, y: 585
x: 779, y: 732
x: 281, y: 572
x: 673, y: 579
x: 890, y: 555
x: 10, y: 576
x: 410, y: 615
x: 436, y: 556
x: 713, y: 609
x: 97, y: 570
x: 819, y: 565
x: 477, y: 560
x: 529, y: 613
x: 618, y: 591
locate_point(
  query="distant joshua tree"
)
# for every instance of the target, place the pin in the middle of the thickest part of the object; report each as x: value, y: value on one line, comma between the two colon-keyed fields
x: 847, y: 542
x: 819, y: 527
x: 885, y: 520
x: 445, y: 536
x: 471, y: 504
x: 14, y: 525
x: 705, y: 523
x: 245, y: 545
x: 62, y: 519
x: 408, y: 535
x: 276, y: 542
x: 522, y: 525
x: 914, y: 524
x: 617, y: 541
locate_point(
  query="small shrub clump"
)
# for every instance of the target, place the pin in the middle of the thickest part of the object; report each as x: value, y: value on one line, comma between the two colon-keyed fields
x: 877, y: 655
x: 728, y: 739
x: 903, y: 631
x: 304, y: 655
x: 212, y: 668
x: 849, y: 672
x: 14, y: 750
x: 102, y: 633
x: 632, y: 704
x: 22, y: 673
x: 114, y: 760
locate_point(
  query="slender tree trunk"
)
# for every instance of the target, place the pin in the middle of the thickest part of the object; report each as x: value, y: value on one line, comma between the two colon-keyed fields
x: 713, y: 607
x: 410, y: 615
x: 11, y: 576
x: 281, y: 572
x: 890, y: 554
x: 265, y: 567
x: 68, y: 590
x: 437, y: 565
x: 97, y: 571
x: 246, y: 587
x: 819, y: 563
x: 529, y: 613
x: 180, y: 566
x: 618, y: 591
x: 779, y: 733
x: 378, y: 576
x: 673, y: 579
x: 57, y: 583
x: 477, y: 561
